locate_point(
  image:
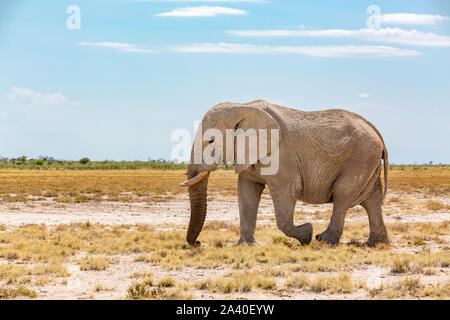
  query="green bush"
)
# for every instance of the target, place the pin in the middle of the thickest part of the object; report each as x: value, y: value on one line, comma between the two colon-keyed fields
x: 84, y: 160
x: 38, y: 162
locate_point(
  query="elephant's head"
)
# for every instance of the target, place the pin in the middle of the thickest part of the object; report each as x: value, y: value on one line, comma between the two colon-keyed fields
x: 214, y: 140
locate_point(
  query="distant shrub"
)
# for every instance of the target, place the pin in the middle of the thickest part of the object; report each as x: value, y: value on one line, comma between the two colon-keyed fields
x: 19, y: 161
x: 51, y: 163
x: 47, y: 158
x: 85, y: 160
x: 38, y: 162
x: 22, y: 159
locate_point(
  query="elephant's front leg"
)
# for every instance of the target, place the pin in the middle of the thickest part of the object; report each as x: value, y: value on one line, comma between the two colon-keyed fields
x: 284, y: 204
x: 249, y: 195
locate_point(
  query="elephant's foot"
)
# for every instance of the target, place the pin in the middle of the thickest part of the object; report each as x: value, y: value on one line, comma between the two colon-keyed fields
x: 249, y: 240
x: 329, y: 237
x: 376, y: 239
x: 194, y: 244
x: 303, y: 233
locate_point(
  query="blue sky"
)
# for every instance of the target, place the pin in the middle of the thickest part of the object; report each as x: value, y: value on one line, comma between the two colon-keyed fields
x: 136, y: 71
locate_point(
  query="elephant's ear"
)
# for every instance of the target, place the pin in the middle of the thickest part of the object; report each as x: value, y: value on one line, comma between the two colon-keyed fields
x: 253, y: 122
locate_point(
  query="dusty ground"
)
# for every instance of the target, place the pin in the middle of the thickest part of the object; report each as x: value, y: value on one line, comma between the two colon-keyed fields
x: 176, y: 211
x: 173, y: 214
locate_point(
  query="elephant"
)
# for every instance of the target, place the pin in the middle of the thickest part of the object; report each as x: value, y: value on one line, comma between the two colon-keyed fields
x: 330, y: 156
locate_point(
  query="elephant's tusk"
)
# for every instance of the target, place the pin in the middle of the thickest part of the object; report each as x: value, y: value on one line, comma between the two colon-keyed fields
x: 195, y: 179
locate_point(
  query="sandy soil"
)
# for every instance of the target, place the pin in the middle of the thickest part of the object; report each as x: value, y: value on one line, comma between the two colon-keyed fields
x: 116, y: 279
x: 176, y: 211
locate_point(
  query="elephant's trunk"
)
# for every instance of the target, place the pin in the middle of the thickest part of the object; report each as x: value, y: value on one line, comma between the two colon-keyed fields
x: 198, y: 199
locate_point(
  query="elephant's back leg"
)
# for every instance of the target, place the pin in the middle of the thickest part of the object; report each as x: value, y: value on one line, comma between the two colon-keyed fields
x: 373, y: 205
x: 351, y: 187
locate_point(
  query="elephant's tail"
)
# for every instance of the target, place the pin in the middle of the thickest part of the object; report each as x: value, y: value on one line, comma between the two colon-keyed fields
x: 386, y: 169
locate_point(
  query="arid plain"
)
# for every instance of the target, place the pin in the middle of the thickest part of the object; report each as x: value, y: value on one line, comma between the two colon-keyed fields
x: 120, y: 234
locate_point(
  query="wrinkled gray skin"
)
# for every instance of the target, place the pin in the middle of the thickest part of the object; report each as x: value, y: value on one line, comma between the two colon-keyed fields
x: 332, y: 156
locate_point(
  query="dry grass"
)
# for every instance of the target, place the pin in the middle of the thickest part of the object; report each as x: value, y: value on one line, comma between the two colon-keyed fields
x: 147, y: 290
x: 237, y: 282
x: 68, y: 186
x: 94, y: 263
x: 13, y: 292
x: 433, y: 180
x: 331, y: 284
x: 264, y: 267
x: 412, y: 287
x: 33, y: 256
x: 435, y: 205
x: 53, y: 245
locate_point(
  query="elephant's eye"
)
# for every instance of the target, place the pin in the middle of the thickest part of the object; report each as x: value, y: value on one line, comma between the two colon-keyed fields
x: 211, y: 141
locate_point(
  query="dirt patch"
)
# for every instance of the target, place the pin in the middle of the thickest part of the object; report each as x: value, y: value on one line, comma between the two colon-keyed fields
x: 124, y: 270
x: 176, y: 211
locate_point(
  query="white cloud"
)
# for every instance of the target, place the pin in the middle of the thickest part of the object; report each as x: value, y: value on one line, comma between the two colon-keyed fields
x: 238, y: 48
x: 388, y: 35
x: 201, y: 11
x: 27, y: 97
x: 316, y: 51
x: 413, y: 18
x: 363, y: 95
x: 120, y: 46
